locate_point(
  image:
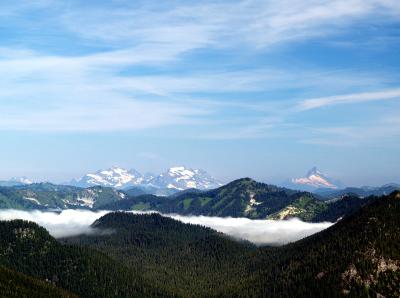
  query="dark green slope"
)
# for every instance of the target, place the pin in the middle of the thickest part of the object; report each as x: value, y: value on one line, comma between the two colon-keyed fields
x: 149, y: 190
x: 138, y: 203
x: 14, y: 284
x: 187, y: 260
x: 240, y: 198
x: 29, y: 249
x: 342, y: 207
x: 49, y: 196
x: 357, y: 257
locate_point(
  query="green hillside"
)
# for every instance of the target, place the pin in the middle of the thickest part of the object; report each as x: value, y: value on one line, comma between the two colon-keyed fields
x: 240, y: 198
x: 246, y: 198
x: 27, y: 248
x: 179, y: 258
x: 18, y: 285
x: 44, y: 196
x: 357, y: 257
x: 150, y: 255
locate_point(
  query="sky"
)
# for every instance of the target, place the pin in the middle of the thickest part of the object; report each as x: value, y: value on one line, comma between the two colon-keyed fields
x: 262, y: 89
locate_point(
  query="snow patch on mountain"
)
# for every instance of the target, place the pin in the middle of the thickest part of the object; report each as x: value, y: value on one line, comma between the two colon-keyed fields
x: 33, y: 200
x: 252, y: 203
x: 86, y: 201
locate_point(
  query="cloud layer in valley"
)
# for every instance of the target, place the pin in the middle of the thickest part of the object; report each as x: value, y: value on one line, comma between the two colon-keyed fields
x: 59, y: 224
x: 272, y: 232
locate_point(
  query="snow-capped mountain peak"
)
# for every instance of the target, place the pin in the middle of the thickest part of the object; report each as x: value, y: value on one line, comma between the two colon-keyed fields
x: 181, y: 177
x: 113, y: 177
x: 22, y: 180
x: 181, y: 173
x: 177, y: 177
x: 313, y: 180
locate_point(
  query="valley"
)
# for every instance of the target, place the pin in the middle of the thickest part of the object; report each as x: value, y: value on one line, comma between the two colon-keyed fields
x: 147, y: 255
x: 200, y: 149
x: 124, y: 253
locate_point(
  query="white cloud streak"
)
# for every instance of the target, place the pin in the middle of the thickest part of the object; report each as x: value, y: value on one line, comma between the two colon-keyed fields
x: 381, y: 131
x: 315, y: 103
x: 87, y: 93
x: 96, y: 91
x: 50, y: 93
x: 255, y: 23
x: 262, y: 232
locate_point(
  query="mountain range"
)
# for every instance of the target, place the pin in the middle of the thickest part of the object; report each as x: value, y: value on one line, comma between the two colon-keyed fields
x: 240, y: 198
x: 175, y: 178
x: 361, y: 192
x: 179, y: 178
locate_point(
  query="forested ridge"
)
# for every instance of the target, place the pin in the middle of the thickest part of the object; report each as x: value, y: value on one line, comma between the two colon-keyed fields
x: 45, y: 196
x: 240, y: 198
x: 357, y: 257
x: 29, y: 249
x: 247, y: 198
x: 153, y: 255
x: 18, y: 285
x: 181, y: 258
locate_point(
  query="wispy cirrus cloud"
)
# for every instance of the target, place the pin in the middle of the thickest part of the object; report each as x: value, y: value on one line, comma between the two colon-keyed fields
x: 315, y: 103
x: 376, y: 132
x: 88, y: 93
x: 102, y: 88
x: 257, y: 23
x: 83, y: 93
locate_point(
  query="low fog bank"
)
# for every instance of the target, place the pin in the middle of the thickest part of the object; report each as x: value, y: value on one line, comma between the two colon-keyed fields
x: 59, y: 224
x: 262, y: 232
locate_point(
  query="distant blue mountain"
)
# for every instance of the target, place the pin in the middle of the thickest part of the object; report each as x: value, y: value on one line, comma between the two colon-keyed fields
x: 361, y: 192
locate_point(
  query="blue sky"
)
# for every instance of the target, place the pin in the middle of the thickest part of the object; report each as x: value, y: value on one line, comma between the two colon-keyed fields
x: 264, y: 89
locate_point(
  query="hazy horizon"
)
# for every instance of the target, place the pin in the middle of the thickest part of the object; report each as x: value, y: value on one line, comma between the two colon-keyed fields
x: 277, y: 181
